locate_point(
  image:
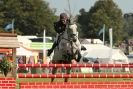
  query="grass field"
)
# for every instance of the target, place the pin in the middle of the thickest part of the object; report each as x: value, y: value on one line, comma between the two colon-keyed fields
x: 76, y: 80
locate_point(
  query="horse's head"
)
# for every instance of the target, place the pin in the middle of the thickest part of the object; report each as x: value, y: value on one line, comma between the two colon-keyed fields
x: 72, y: 31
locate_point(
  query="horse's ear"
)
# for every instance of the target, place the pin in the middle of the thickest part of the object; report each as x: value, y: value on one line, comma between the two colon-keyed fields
x: 72, y: 20
x: 76, y: 18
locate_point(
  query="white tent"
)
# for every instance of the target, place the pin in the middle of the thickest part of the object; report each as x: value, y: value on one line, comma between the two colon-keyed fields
x: 23, y: 52
x: 88, y: 41
x: 104, y: 54
x: 118, y: 56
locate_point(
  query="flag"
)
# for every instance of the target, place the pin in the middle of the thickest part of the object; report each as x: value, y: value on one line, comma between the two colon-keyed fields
x: 10, y: 26
x: 102, y: 30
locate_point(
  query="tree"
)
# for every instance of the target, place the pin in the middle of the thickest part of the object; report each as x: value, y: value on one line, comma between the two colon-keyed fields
x: 128, y: 25
x: 31, y: 16
x: 82, y: 20
x: 103, y: 12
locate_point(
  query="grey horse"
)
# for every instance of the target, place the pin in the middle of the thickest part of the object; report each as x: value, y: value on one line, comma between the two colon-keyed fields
x: 67, y: 50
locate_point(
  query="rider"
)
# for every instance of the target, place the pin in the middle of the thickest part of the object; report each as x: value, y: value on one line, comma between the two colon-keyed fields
x: 59, y: 27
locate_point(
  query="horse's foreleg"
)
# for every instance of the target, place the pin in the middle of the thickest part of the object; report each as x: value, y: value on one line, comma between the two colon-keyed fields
x: 54, y: 70
x: 68, y: 72
x: 73, y: 61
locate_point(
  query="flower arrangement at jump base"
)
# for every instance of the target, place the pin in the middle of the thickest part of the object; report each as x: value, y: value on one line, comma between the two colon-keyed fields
x: 5, y: 66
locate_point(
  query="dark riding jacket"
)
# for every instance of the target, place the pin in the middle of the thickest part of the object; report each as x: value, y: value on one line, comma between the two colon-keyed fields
x: 59, y: 27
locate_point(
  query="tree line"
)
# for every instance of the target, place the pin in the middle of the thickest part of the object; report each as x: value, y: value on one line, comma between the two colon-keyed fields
x: 31, y: 17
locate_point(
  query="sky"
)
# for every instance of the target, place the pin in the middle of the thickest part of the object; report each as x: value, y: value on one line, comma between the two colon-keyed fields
x: 62, y: 5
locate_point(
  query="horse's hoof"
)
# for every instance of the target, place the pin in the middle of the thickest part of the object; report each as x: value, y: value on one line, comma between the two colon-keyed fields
x: 66, y: 80
x: 52, y: 80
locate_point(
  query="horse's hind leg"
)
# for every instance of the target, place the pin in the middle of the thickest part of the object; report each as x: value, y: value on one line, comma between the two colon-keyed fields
x: 54, y: 70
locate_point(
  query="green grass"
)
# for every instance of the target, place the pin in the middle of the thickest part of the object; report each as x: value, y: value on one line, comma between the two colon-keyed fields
x: 75, y: 79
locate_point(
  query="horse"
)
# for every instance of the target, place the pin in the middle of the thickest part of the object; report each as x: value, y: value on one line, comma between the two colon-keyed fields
x: 68, y: 49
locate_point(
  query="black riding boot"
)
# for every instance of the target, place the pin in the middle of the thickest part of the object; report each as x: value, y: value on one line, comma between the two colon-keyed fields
x: 79, y: 56
x: 51, y: 50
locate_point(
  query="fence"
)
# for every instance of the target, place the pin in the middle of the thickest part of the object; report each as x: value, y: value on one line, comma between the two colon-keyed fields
x: 7, y: 83
x: 75, y: 85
